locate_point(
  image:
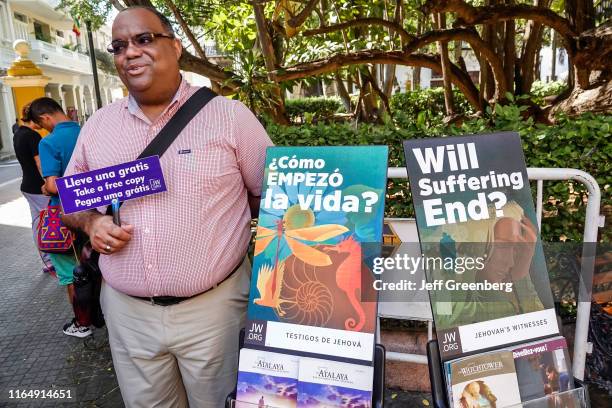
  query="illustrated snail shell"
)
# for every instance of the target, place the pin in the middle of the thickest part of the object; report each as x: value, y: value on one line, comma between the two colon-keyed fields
x: 309, y: 301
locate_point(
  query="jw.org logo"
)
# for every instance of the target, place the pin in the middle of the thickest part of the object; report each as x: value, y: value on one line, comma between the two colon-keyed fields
x: 155, y: 184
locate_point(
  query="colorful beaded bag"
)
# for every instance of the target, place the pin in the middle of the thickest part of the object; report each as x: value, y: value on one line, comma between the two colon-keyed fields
x: 52, y: 235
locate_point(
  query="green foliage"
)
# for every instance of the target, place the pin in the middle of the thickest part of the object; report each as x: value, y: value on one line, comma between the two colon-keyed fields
x: 94, y: 11
x: 431, y: 100
x: 230, y: 24
x: 105, y: 62
x: 580, y: 143
x: 255, y: 94
x: 540, y: 90
x: 43, y: 37
x: 314, y: 109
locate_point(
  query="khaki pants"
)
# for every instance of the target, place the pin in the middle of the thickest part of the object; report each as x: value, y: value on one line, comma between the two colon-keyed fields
x: 180, y: 355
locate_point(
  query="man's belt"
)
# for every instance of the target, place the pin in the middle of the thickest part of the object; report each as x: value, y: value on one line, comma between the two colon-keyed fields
x: 174, y: 300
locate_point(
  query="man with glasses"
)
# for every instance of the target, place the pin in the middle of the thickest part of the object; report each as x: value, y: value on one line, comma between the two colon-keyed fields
x: 176, y: 276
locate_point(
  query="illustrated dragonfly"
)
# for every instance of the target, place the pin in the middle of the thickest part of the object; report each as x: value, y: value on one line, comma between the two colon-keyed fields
x: 296, y: 225
x: 304, y: 252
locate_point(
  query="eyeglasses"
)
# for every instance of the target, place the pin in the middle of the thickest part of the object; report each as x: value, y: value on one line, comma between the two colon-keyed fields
x: 118, y: 47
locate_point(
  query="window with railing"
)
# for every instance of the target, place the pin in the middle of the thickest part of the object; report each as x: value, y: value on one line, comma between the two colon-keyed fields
x: 20, y: 17
x: 21, y: 30
x: 3, y: 23
x: 42, y: 32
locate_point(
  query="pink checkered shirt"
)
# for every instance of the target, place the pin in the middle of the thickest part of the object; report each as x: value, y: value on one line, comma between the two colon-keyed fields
x: 189, y: 238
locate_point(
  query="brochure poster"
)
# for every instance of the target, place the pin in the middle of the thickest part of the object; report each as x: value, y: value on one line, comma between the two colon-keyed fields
x: 486, y: 380
x: 543, y: 368
x: 321, y: 209
x: 329, y: 384
x: 266, y: 379
x: 488, y: 281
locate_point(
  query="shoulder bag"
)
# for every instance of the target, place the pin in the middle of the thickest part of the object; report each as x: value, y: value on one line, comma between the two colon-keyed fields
x: 88, y: 294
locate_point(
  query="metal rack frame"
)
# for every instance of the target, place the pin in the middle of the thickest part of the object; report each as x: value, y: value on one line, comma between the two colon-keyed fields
x: 593, y: 221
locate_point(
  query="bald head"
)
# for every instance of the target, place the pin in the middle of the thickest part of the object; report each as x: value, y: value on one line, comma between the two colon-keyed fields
x: 162, y: 19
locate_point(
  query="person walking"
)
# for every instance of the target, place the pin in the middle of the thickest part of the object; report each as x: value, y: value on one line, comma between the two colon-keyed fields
x: 25, y: 144
x: 55, y: 152
x: 176, y: 275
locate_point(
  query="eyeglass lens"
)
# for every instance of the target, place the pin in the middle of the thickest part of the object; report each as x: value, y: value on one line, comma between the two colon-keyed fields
x: 140, y: 40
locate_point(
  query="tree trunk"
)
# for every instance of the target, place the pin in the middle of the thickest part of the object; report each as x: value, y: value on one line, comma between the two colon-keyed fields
x: 538, y: 67
x: 581, y: 15
x: 553, y: 59
x: 186, y: 30
x: 416, y: 71
x: 389, y: 79
x: 342, y: 92
x: 488, y: 84
x: 457, y: 51
x: 509, y: 54
x: 415, y: 82
x: 369, y: 98
x: 443, y: 51
x: 483, y: 78
x: 389, y: 71
x: 530, y: 54
x: 279, y: 114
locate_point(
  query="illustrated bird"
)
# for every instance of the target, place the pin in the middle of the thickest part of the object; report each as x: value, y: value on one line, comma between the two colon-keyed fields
x: 269, y: 286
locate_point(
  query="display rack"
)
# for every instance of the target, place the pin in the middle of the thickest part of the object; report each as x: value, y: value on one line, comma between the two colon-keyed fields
x: 575, y: 398
x: 378, y: 387
x: 579, y: 395
x: 592, y: 222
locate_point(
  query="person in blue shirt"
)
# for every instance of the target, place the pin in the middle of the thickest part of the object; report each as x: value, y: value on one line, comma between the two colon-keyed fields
x: 55, y: 151
x: 25, y: 144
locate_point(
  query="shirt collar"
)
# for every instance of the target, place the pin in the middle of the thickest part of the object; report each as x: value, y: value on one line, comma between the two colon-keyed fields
x: 135, y: 110
x: 67, y: 123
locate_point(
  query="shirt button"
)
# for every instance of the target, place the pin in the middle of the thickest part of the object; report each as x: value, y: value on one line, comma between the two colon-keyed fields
x: 146, y: 230
x: 149, y: 266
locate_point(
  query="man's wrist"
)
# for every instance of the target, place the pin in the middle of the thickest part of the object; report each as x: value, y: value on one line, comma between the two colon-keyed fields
x: 93, y: 215
x: 83, y: 220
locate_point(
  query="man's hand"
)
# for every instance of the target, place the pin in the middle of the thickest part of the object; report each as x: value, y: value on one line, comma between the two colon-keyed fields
x: 106, y: 237
x: 511, y: 252
x: 50, y: 186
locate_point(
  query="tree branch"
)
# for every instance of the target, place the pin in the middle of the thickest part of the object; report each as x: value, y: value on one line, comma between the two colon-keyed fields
x: 186, y: 29
x: 190, y: 62
x: 117, y: 5
x: 470, y: 15
x: 298, y: 20
x: 478, y: 45
x: 146, y: 3
x: 458, y: 77
x: 361, y: 22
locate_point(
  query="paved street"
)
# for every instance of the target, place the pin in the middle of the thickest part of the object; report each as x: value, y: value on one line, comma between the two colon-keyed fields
x: 34, y: 353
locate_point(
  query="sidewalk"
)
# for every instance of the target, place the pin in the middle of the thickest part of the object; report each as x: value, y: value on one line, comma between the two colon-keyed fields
x: 4, y: 157
x: 34, y: 353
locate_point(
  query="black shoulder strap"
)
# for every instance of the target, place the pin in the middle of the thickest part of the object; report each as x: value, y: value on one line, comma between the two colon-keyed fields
x: 175, y: 126
x: 177, y: 123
